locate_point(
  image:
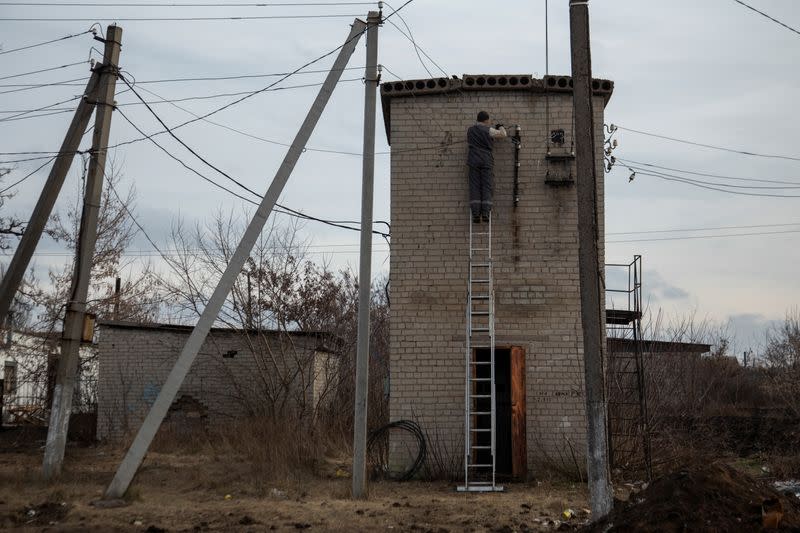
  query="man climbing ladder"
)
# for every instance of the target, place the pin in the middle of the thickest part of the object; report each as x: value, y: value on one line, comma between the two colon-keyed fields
x: 480, y: 159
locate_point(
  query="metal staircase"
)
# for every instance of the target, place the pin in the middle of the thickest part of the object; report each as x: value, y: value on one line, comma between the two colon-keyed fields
x: 479, y: 391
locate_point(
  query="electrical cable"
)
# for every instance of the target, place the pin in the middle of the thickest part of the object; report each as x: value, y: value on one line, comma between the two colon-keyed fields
x: 38, y: 85
x: 677, y: 230
x: 717, y: 184
x: 223, y: 95
x: 694, y: 237
x: 379, y: 435
x: 28, y: 175
x: 187, y: 4
x: 30, y: 116
x: 279, y: 208
x: 49, y: 106
x: 185, y: 19
x: 43, y: 70
x: 683, y: 141
x: 702, y: 185
x: 773, y: 19
x: 238, y: 77
x: 720, y: 176
x: 45, y: 42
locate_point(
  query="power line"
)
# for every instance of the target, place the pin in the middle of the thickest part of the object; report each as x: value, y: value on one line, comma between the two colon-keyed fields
x: 43, y: 108
x: 38, y: 85
x: 703, y: 185
x: 713, y: 147
x: 238, y: 77
x: 773, y: 19
x: 28, y: 117
x: 184, y: 19
x: 676, y: 230
x: 705, y: 236
x: 217, y: 169
x: 28, y: 176
x: 694, y: 173
x: 177, y: 4
x: 42, y: 70
x: 279, y: 208
x: 45, y: 42
x: 716, y: 184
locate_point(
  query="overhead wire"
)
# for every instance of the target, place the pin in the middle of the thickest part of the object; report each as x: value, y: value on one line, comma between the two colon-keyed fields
x: 695, y: 237
x: 184, y: 4
x: 711, y: 146
x: 49, y: 69
x: 773, y: 19
x: 704, y: 185
x: 717, y: 228
x: 214, y: 167
x: 708, y: 175
x: 18, y: 182
x: 182, y: 19
x: 30, y: 87
x: 279, y: 208
x: 35, y: 45
x: 716, y: 184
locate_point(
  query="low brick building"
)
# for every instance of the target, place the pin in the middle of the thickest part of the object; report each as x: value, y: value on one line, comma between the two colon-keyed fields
x: 236, y: 374
x: 539, y: 365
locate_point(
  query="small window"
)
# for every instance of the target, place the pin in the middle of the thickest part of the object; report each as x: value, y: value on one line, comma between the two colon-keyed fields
x: 9, y: 377
x: 230, y: 354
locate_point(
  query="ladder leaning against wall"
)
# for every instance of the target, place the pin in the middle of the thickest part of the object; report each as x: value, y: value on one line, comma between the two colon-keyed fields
x: 479, y: 391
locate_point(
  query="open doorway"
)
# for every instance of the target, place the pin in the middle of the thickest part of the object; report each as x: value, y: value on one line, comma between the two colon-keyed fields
x: 510, y: 444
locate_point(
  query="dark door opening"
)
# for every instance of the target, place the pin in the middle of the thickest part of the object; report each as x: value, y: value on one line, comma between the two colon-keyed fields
x: 502, y: 380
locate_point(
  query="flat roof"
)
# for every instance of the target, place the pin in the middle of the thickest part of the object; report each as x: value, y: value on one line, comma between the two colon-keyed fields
x: 482, y: 82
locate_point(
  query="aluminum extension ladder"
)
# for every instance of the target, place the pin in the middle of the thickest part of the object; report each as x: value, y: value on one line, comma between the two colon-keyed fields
x: 479, y: 393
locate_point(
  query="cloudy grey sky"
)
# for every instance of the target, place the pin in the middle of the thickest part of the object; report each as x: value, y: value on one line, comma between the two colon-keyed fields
x: 711, y: 72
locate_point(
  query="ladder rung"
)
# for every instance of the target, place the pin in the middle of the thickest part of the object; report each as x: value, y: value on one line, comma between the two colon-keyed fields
x: 480, y: 413
x: 480, y: 430
x: 481, y: 280
x: 480, y: 447
x: 479, y: 249
x: 480, y: 396
x: 481, y: 233
x: 479, y: 313
x: 480, y: 379
x: 479, y: 465
x: 482, y: 265
x: 480, y: 330
x: 479, y: 297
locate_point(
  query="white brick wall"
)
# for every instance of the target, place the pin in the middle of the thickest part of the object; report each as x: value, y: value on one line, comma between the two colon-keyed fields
x: 268, y: 371
x: 536, y: 274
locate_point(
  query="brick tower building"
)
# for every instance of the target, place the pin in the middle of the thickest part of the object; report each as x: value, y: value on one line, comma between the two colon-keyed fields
x: 541, y: 419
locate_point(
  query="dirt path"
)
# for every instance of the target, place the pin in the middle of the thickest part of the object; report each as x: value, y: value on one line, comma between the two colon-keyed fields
x: 201, y: 493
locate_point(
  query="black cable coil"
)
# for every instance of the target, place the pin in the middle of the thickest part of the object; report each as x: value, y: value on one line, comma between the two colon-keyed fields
x: 422, y: 453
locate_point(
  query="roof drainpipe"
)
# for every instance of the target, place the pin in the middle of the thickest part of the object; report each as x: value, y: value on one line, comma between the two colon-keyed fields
x: 517, y: 145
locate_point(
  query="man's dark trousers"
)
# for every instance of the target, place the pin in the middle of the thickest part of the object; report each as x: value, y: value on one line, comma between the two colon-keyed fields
x: 480, y: 190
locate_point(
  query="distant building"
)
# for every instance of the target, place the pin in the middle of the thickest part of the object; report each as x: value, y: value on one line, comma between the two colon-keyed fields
x: 29, y: 362
x: 237, y: 373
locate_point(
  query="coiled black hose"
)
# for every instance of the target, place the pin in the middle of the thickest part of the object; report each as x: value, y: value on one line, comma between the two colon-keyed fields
x: 414, y: 429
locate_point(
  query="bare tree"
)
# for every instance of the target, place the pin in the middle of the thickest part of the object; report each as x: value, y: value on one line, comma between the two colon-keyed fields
x: 10, y: 225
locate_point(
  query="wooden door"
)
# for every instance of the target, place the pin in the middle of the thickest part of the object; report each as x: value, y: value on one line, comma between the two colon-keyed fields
x: 519, y: 448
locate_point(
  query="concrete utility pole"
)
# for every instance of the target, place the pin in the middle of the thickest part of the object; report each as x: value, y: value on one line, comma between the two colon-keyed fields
x: 589, y: 262
x: 76, y: 305
x: 130, y: 464
x: 52, y: 188
x: 365, y: 268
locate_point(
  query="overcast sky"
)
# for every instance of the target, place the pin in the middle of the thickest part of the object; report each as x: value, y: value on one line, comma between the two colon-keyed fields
x: 711, y: 72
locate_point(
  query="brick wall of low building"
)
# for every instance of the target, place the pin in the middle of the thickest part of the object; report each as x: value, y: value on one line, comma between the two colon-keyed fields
x: 535, y: 267
x: 236, y: 374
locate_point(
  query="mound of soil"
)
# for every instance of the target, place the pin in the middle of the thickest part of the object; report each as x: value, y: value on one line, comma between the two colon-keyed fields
x: 709, y: 498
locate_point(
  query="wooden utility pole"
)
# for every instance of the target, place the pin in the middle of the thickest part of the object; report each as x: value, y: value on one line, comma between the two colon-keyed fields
x: 589, y: 261
x: 365, y: 268
x: 130, y: 464
x: 76, y: 305
x: 47, y: 199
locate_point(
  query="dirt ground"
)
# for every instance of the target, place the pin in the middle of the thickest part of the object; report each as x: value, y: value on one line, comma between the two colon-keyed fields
x: 197, y: 492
